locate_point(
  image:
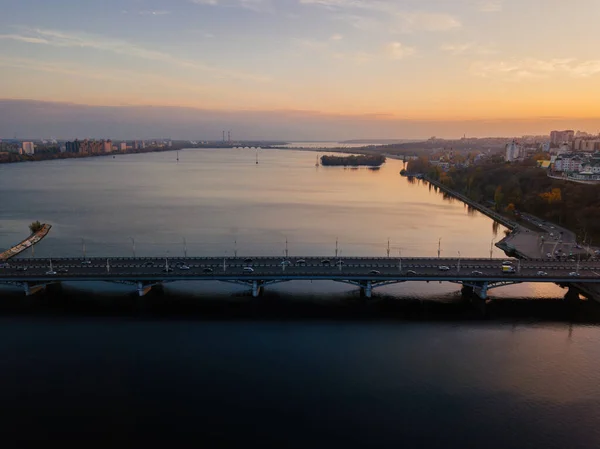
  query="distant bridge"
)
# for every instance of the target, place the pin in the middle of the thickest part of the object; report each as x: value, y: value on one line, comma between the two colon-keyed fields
x: 480, y: 275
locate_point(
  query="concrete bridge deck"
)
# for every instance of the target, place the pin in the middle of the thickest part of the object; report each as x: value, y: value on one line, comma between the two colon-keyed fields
x: 366, y: 273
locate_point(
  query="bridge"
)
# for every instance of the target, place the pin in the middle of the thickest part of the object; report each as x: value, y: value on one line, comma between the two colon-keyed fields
x: 143, y: 273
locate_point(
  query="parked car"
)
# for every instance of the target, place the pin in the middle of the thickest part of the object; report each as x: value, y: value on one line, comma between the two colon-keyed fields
x: 573, y: 273
x: 444, y: 268
x: 411, y: 273
x: 542, y: 273
x: 248, y: 270
x: 207, y: 270
x: 476, y: 273
x: 374, y: 272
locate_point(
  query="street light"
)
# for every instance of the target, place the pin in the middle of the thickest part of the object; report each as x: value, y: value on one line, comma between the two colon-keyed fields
x: 224, y: 262
x: 400, y: 260
x: 133, y: 246
x: 492, y: 247
x: 83, y: 247
x: 439, y: 247
x: 458, y: 264
x: 388, y: 248
x: 336, y: 247
x: 340, y: 261
x: 184, y: 248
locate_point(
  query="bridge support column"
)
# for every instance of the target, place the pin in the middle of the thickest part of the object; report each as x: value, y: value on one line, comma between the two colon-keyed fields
x: 572, y: 295
x: 31, y: 288
x: 257, y: 288
x: 143, y: 288
x: 481, y: 290
x: 366, y: 289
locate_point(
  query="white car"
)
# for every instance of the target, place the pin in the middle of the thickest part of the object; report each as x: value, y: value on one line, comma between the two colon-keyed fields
x: 248, y: 270
x: 542, y: 273
x: 184, y: 267
x: 549, y: 256
x: 573, y: 273
x: 444, y: 268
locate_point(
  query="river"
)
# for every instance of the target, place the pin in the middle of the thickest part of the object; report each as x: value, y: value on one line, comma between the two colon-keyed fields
x: 139, y: 380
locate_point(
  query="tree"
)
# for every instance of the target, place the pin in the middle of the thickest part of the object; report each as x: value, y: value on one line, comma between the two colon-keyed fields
x: 35, y: 227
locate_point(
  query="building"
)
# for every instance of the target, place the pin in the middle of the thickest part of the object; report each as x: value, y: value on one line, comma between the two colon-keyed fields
x: 73, y: 147
x: 558, y: 137
x: 28, y: 148
x: 107, y: 146
x: 123, y: 146
x: 568, y: 163
x: 513, y: 151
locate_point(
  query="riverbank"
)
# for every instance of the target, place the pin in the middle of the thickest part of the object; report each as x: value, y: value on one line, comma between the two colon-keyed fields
x: 27, y: 243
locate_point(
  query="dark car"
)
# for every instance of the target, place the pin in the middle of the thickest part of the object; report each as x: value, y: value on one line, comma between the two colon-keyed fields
x: 248, y: 260
x: 207, y: 270
x: 326, y: 262
x: 301, y: 262
x: 374, y: 272
x: 21, y: 268
x: 476, y: 273
x: 411, y: 273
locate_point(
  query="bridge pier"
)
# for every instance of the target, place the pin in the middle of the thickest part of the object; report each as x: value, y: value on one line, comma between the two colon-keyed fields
x: 143, y: 288
x: 572, y: 294
x: 366, y: 289
x: 31, y: 288
x: 257, y: 288
x: 481, y: 290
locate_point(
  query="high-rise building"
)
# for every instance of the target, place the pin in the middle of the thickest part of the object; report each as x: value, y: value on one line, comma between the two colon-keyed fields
x: 558, y: 137
x: 28, y: 147
x: 73, y: 147
x: 123, y: 146
x: 513, y: 151
x: 107, y: 146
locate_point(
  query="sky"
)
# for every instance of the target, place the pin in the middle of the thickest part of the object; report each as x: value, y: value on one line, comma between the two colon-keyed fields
x: 298, y: 69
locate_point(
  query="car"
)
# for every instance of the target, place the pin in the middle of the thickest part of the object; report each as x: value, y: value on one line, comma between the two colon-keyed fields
x: 573, y: 273
x: 184, y: 267
x: 411, y: 273
x: 86, y: 262
x: 507, y: 263
x: 374, y: 272
x: 51, y: 273
x: 444, y: 268
x: 476, y: 273
x: 542, y: 273
x: 549, y: 255
x: 326, y: 262
x: 63, y: 270
x: 248, y: 260
x: 207, y: 270
x: 248, y: 270
x: 285, y: 263
x: 301, y: 262
x: 21, y: 268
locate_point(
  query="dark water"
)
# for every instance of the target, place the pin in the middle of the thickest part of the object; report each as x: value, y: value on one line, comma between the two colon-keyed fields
x: 309, y: 364
x: 139, y: 383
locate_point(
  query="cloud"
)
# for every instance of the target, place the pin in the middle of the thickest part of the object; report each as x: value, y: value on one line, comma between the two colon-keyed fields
x: 397, y: 50
x: 531, y: 68
x: 371, y: 14
x: 252, y: 5
x: 490, y: 5
x: 81, y: 40
x: 154, y: 13
x: 336, y: 37
x: 466, y: 48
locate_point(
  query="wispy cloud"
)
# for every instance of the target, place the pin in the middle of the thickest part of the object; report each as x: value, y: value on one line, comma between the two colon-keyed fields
x: 82, y: 40
x: 469, y: 48
x: 530, y: 68
x: 252, y: 5
x: 371, y: 14
x: 397, y: 50
x: 154, y: 13
x: 490, y: 5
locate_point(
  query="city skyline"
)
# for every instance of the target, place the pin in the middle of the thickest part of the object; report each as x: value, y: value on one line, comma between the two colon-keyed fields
x: 316, y: 69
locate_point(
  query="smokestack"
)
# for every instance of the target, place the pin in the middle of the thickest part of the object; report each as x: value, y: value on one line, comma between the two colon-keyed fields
x: 228, y: 136
x: 223, y: 135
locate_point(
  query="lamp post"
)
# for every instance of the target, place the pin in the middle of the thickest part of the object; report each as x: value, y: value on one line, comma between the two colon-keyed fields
x: 340, y: 261
x: 184, y: 248
x: 336, y: 247
x: 400, y: 260
x: 133, y: 246
x: 439, y: 247
x: 235, y: 248
x: 83, y: 247
x: 388, y: 248
x: 492, y: 247
x: 224, y: 261
x: 286, y: 248
x: 458, y: 264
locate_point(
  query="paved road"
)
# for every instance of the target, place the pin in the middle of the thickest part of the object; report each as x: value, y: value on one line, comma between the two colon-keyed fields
x: 300, y: 268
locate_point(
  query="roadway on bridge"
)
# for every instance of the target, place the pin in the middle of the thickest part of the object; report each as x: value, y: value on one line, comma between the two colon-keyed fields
x: 310, y: 267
